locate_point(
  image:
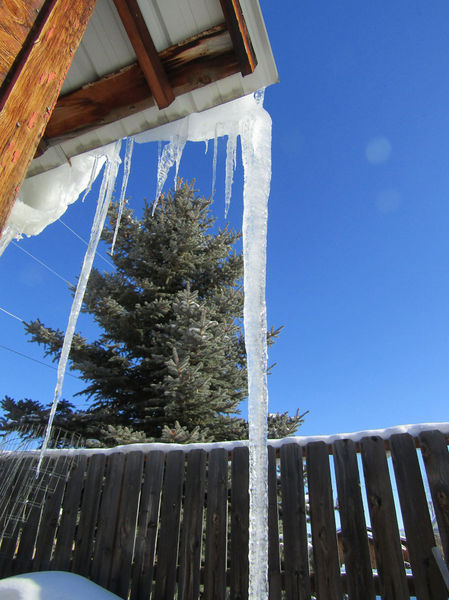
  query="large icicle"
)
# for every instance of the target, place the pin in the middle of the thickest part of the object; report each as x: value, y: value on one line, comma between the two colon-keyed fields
x: 126, y: 171
x: 255, y: 135
x: 104, y: 200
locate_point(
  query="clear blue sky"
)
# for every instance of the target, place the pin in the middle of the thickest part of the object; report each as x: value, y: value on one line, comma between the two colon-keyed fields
x: 358, y: 247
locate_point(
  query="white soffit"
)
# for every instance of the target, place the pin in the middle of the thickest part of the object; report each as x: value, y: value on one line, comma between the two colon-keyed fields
x: 105, y: 48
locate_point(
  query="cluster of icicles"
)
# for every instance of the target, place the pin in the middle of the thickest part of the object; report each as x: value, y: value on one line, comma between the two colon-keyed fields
x: 246, y: 118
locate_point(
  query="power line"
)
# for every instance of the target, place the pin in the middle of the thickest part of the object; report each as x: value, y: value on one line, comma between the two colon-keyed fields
x: 11, y: 315
x: 43, y: 264
x: 86, y: 242
x: 34, y: 359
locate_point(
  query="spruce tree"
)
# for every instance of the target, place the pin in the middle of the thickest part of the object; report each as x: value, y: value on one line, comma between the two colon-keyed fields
x: 170, y: 363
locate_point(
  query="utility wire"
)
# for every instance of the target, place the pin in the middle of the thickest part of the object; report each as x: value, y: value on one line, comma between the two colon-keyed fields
x: 34, y: 359
x: 86, y: 242
x: 11, y: 315
x: 43, y: 264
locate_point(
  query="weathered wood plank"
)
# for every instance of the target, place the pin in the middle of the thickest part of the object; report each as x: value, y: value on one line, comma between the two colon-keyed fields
x: 324, y: 534
x: 239, y: 524
x: 194, y: 63
x: 387, y: 543
x: 167, y: 549
x: 354, y: 534
x: 66, y: 533
x: 274, y: 559
x: 418, y: 528
x: 36, y: 88
x: 436, y: 460
x: 241, y: 41
x: 105, y: 535
x: 147, y: 526
x: 126, y: 529
x: 296, y: 560
x: 50, y: 514
x: 16, y: 21
x: 216, y: 526
x: 192, y: 526
x: 81, y: 563
x: 146, y: 52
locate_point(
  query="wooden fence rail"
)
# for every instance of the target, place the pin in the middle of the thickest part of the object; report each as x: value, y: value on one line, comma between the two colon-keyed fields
x: 147, y: 524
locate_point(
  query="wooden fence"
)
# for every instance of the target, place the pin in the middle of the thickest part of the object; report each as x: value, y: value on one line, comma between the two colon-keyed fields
x: 175, y: 525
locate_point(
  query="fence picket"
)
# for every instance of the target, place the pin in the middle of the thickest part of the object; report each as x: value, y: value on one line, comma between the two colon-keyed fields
x: 436, y: 460
x: 274, y: 559
x: 296, y: 559
x: 192, y: 527
x: 50, y: 515
x: 126, y: 525
x: 353, y: 526
x: 88, y: 515
x: 239, y: 524
x: 66, y: 532
x: 216, y: 526
x: 387, y: 544
x: 147, y: 526
x: 167, y: 552
x: 324, y: 535
x: 429, y: 584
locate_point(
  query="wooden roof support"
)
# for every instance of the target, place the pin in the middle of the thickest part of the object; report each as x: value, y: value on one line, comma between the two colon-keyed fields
x: 36, y: 85
x: 196, y: 62
x: 241, y: 41
x: 146, y: 52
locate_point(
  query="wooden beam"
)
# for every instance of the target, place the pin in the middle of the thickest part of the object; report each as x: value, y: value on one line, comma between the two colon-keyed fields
x: 241, y: 41
x: 17, y: 18
x: 35, y: 91
x: 198, y: 61
x: 146, y: 53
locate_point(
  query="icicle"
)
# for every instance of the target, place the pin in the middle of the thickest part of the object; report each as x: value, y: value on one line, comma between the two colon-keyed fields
x: 93, y: 175
x: 171, y: 154
x: 104, y: 199
x: 255, y: 135
x: 214, y: 162
x: 231, y: 154
x: 126, y: 170
x: 206, y: 146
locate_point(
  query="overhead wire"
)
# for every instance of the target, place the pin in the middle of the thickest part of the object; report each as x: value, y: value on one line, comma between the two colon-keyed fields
x: 86, y: 242
x: 34, y: 359
x: 43, y: 264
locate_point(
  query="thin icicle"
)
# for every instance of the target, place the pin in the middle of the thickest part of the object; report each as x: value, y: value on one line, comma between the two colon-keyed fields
x: 126, y: 170
x: 104, y: 200
x: 93, y: 175
x: 206, y: 146
x: 231, y: 155
x: 171, y: 155
x: 214, y: 162
x: 255, y: 135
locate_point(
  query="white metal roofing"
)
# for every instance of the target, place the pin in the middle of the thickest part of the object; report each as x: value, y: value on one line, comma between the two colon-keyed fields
x: 105, y: 48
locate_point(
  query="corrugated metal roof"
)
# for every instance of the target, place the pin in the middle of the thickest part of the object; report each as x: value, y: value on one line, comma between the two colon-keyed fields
x: 106, y: 48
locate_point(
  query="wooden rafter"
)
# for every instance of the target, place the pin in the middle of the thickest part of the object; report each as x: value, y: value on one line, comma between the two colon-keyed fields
x: 241, y: 41
x: 32, y: 85
x: 146, y: 53
x: 196, y: 62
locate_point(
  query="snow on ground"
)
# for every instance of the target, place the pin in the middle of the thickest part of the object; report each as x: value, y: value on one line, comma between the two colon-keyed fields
x: 52, y: 585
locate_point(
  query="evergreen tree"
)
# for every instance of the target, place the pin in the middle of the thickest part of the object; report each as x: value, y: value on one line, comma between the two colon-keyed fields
x: 170, y: 363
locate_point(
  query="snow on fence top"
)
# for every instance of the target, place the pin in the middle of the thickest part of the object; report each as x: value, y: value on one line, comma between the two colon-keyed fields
x: 302, y: 440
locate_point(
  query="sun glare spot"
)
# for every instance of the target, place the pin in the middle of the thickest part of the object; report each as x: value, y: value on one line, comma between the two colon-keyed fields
x: 378, y: 150
x: 388, y: 201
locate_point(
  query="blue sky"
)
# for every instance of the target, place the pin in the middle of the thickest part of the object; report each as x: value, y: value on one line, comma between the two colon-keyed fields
x: 358, y: 246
